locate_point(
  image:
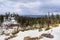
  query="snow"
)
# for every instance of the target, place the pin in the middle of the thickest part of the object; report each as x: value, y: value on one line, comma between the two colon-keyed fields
x: 35, y: 33
x: 2, y: 37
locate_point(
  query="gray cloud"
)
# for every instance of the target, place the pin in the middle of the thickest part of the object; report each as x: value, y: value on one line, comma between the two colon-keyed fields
x: 30, y: 7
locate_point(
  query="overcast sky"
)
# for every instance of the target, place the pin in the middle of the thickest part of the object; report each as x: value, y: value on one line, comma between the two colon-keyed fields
x: 30, y: 7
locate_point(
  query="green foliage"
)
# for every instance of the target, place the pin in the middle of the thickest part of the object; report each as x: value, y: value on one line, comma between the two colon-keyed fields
x: 55, y: 25
x: 47, y: 28
x: 25, y: 21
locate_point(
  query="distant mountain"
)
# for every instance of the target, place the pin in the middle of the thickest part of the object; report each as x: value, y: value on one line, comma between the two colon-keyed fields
x: 34, y: 16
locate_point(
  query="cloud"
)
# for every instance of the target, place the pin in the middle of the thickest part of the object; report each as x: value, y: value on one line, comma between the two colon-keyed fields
x: 17, y: 6
x: 30, y: 7
x: 24, y: 1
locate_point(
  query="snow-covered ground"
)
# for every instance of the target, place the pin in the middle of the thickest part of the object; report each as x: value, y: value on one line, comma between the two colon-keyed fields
x: 36, y: 33
x: 55, y: 32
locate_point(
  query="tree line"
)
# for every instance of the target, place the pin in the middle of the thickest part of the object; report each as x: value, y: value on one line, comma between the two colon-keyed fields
x: 25, y: 21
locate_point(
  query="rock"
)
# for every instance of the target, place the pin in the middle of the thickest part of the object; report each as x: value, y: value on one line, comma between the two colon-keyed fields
x: 47, y: 35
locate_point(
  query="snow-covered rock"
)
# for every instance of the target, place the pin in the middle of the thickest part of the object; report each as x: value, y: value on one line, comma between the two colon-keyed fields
x: 35, y: 33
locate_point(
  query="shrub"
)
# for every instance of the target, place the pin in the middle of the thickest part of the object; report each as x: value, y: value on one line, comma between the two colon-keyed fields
x: 55, y: 25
